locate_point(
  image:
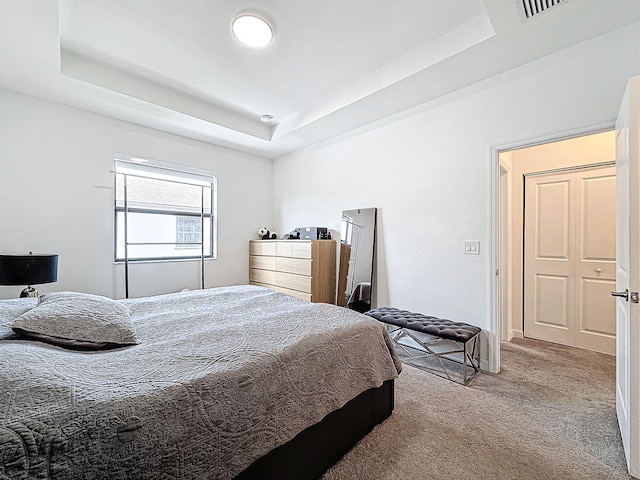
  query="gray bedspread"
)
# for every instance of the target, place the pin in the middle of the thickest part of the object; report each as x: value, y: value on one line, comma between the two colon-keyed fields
x: 221, y: 377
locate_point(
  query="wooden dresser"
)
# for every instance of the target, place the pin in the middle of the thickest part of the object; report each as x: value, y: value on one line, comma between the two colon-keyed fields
x: 303, y: 268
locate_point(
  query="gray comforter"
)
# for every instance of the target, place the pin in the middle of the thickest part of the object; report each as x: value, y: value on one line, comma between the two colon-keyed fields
x: 221, y: 377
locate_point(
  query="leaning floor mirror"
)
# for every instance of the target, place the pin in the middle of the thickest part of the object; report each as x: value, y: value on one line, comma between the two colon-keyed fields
x: 357, y: 247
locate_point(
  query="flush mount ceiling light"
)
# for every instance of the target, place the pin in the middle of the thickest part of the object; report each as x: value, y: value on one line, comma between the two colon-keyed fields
x: 252, y: 31
x: 266, y: 118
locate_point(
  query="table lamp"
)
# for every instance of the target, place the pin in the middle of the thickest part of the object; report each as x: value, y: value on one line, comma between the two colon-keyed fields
x: 28, y: 270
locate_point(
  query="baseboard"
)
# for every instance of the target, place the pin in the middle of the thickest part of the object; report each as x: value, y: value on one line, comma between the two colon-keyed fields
x: 484, y: 364
x: 516, y: 334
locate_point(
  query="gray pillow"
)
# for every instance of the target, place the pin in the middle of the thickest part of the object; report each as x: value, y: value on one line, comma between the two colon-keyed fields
x: 12, y: 308
x: 78, y: 320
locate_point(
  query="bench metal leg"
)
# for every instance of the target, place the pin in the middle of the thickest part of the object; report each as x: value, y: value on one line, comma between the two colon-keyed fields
x: 443, y: 350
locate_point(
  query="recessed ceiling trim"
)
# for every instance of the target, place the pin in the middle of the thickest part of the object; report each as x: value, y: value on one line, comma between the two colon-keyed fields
x: 467, y: 35
x: 89, y: 70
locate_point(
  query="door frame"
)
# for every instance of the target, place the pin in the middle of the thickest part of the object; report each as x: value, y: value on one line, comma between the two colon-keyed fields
x: 498, y: 251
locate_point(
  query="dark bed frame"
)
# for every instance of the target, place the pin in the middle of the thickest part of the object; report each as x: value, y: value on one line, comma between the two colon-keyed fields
x: 314, y: 450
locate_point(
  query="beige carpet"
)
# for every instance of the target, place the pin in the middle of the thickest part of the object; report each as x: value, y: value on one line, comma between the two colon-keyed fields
x: 550, y: 414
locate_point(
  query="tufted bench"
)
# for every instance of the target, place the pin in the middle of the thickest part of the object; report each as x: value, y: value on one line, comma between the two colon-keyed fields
x: 440, y: 346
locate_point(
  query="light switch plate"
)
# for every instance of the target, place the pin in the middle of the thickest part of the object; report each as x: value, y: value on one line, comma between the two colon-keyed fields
x: 471, y: 247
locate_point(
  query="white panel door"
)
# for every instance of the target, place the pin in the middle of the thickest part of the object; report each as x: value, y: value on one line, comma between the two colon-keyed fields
x: 570, y: 258
x: 628, y: 274
x: 595, y: 322
x: 549, y: 297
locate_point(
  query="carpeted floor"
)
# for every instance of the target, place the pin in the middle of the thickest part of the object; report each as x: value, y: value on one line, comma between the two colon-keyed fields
x: 550, y: 414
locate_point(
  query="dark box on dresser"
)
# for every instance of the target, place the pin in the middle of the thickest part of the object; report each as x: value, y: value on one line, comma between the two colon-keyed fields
x: 313, y: 233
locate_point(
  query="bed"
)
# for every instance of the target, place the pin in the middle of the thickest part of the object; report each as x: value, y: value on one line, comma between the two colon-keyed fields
x: 232, y: 382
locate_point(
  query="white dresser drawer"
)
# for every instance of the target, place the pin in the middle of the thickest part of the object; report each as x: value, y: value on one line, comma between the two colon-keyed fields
x: 294, y: 248
x: 294, y: 282
x: 301, y: 250
x: 299, y: 266
x: 263, y: 262
x: 263, y: 248
x: 263, y: 276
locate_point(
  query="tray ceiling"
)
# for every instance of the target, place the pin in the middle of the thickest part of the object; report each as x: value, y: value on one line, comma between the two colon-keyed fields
x: 175, y: 66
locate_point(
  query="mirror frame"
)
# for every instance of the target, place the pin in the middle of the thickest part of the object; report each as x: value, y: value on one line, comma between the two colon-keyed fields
x: 355, y: 289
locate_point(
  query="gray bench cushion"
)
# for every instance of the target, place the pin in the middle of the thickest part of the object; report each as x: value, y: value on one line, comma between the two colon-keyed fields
x: 439, y: 327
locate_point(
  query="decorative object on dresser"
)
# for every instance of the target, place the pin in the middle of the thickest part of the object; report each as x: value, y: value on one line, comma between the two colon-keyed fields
x: 303, y: 268
x: 313, y: 233
x: 265, y: 234
x: 357, y: 251
x: 292, y: 235
x: 28, y: 270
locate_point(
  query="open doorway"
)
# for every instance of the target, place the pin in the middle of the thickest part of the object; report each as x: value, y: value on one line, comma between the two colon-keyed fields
x: 562, y: 158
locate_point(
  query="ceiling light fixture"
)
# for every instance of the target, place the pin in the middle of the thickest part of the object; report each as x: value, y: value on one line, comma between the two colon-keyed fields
x: 252, y: 31
x: 266, y: 118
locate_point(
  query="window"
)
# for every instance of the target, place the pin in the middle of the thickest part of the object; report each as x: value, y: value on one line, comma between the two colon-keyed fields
x: 162, y: 211
x: 188, y: 232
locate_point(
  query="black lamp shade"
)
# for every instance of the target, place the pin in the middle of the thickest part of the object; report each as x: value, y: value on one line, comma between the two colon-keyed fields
x: 28, y: 269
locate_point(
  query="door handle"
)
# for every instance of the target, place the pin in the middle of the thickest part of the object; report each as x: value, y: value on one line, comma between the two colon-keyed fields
x: 635, y: 297
x: 624, y: 294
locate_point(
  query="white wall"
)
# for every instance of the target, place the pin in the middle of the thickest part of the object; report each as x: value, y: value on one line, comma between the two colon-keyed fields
x: 429, y: 173
x: 56, y: 196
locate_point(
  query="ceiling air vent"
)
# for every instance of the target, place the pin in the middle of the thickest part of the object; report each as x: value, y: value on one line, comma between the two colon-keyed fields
x: 534, y: 7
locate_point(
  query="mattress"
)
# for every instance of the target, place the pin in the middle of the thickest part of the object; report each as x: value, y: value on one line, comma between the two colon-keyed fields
x: 220, y: 377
